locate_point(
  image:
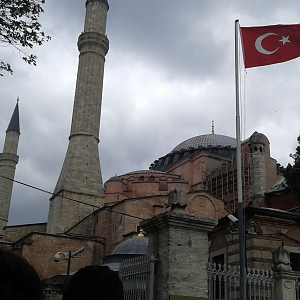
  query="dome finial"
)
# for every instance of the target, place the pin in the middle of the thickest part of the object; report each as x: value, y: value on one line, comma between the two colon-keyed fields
x: 212, y: 127
x: 141, y: 233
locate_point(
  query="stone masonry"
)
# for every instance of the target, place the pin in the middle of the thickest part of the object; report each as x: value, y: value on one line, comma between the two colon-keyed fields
x: 258, y: 168
x: 80, y: 178
x: 179, y: 242
x: 8, y: 162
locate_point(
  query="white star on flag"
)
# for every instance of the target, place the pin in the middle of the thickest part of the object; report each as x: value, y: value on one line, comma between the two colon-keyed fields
x: 285, y: 40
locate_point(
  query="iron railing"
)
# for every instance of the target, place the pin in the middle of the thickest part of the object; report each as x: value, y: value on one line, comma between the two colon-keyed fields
x: 137, y: 275
x: 297, y: 287
x: 224, y: 283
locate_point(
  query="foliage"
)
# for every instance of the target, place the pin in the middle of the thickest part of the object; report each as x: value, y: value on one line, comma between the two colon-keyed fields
x: 292, y: 172
x: 20, y: 28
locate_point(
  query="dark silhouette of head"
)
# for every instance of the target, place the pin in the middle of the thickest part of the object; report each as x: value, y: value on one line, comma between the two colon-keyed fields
x: 18, y: 279
x: 94, y: 283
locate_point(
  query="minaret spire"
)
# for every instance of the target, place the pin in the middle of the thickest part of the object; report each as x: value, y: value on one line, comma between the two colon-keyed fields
x: 80, y: 178
x: 8, y: 162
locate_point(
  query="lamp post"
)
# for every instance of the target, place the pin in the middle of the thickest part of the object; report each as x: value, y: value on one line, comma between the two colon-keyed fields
x: 68, y: 255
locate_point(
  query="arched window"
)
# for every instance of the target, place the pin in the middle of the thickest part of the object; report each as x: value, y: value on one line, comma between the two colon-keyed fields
x: 151, y: 178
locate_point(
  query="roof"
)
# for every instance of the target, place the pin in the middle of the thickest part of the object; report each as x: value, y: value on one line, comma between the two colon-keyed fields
x: 145, y: 171
x: 154, y: 172
x: 206, y: 140
x: 212, y: 143
x: 279, y: 186
x: 14, y: 124
x: 115, y: 178
x: 135, y: 245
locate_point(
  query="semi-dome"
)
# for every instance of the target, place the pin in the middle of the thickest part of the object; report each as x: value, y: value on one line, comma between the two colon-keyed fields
x: 115, y: 178
x: 206, y: 140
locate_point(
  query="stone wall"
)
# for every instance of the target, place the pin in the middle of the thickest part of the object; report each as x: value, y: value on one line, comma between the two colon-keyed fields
x: 179, y: 242
x: 39, y: 249
x: 14, y: 233
x: 277, y: 228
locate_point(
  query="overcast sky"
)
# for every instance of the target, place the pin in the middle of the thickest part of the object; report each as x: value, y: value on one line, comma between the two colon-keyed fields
x: 169, y: 72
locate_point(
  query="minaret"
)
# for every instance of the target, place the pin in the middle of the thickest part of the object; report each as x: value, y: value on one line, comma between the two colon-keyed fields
x: 8, y: 162
x: 80, y: 178
x: 258, y: 144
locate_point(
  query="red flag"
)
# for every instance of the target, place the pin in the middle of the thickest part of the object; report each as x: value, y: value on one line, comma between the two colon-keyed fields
x: 269, y: 45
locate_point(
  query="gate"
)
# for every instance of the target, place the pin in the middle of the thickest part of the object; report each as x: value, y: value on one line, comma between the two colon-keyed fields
x: 137, y: 275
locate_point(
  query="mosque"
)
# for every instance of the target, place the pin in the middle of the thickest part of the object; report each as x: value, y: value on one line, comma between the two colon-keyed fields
x: 103, y: 219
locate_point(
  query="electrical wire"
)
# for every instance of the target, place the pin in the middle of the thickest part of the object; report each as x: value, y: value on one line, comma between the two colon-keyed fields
x: 71, y: 199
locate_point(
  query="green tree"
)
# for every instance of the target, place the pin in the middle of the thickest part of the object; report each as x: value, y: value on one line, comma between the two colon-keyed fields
x: 20, y: 28
x: 292, y: 172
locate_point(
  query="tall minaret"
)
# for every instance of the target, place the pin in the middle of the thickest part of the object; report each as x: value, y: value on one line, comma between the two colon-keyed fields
x: 80, y: 178
x: 8, y: 162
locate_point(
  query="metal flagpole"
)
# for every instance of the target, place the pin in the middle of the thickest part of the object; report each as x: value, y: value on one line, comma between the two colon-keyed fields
x: 239, y: 170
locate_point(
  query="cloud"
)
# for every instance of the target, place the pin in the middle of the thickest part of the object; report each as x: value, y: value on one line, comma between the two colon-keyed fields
x: 169, y: 73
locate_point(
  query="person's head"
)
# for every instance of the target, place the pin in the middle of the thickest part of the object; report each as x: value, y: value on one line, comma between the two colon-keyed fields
x: 94, y: 283
x: 18, y: 279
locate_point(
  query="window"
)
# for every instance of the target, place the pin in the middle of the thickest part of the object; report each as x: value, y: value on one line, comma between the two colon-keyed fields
x: 151, y: 178
x: 295, y: 261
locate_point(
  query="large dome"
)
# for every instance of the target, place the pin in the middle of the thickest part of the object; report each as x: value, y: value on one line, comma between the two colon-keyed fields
x: 206, y: 140
x: 214, y: 143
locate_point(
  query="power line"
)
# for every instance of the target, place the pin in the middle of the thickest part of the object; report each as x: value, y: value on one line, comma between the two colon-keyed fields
x: 71, y: 199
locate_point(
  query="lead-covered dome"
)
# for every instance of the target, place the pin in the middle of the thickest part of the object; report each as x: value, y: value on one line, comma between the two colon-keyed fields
x: 136, y: 245
x: 214, y: 143
x: 133, y: 247
x: 206, y: 140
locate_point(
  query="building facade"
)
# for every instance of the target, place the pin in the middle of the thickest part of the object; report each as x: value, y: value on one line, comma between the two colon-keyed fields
x: 85, y: 213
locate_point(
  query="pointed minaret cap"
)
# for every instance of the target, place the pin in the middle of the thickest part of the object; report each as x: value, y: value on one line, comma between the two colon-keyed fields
x: 14, y: 124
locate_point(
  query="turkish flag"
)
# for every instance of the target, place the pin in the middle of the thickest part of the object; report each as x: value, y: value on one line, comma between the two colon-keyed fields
x: 269, y: 45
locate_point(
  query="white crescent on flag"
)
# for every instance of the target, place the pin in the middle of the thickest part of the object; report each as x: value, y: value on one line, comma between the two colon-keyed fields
x: 267, y: 45
x: 259, y: 46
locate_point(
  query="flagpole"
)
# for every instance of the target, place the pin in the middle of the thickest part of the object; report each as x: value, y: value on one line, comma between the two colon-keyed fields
x: 239, y: 170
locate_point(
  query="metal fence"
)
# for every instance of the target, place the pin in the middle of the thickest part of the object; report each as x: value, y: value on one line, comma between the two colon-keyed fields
x: 223, y: 283
x: 297, y: 287
x: 137, y: 275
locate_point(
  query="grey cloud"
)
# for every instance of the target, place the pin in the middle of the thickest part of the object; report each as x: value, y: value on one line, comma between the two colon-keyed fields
x: 169, y: 73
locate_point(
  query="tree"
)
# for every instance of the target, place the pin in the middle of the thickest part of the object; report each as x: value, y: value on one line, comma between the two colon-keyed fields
x: 20, y: 28
x: 292, y: 172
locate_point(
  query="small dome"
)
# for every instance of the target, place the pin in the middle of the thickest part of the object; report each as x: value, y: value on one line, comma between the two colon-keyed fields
x: 130, y: 248
x: 135, y: 245
x: 144, y: 172
x: 115, y: 178
x: 206, y: 140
